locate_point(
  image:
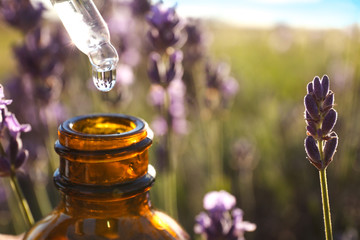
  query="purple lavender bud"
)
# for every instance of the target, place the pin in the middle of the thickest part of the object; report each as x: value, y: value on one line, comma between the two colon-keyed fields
x: 3, y: 107
x: 328, y: 102
x: 153, y: 71
x: 197, y: 40
x: 311, y: 107
x: 311, y: 129
x: 175, y: 70
x: 307, y: 117
x: 157, y: 95
x: 166, y: 27
x: 241, y: 226
x: 203, y: 222
x: 3, y: 102
x: 161, y: 16
x: 21, y: 158
x: 330, y: 148
x: 325, y: 85
x: 313, y: 152
x: 160, y: 126
x: 124, y: 75
x: 310, y: 88
x: 329, y: 122
x: 229, y: 87
x: 317, y: 88
x: 15, y: 128
x: 176, y: 91
x: 41, y: 54
x: 219, y: 201
x: 237, y: 213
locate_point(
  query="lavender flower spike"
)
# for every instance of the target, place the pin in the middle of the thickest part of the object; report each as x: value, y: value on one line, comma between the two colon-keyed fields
x: 219, y: 201
x: 166, y: 27
x: 320, y: 119
x: 222, y: 220
x: 322, y: 141
x: 13, y: 156
x: 21, y: 14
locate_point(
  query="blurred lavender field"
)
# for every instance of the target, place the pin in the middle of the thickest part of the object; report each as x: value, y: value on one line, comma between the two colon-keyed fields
x: 241, y: 126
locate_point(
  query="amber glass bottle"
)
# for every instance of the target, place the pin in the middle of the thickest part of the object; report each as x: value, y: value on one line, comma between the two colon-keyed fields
x: 104, y: 180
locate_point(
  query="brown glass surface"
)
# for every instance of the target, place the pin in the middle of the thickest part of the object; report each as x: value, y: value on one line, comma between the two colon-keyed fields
x: 104, y: 181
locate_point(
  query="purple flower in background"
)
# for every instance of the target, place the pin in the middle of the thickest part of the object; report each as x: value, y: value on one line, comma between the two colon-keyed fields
x: 13, y: 155
x: 163, y: 73
x: 159, y: 125
x: 3, y: 102
x: 320, y: 117
x: 15, y: 128
x: 157, y: 95
x: 220, y: 201
x: 167, y: 92
x: 175, y: 69
x: 175, y: 111
x: 39, y: 82
x: 41, y: 54
x: 154, y: 72
x: 221, y: 88
x: 222, y: 220
x: 3, y: 106
x: 166, y: 27
x: 21, y: 14
x: 41, y: 60
x: 197, y: 41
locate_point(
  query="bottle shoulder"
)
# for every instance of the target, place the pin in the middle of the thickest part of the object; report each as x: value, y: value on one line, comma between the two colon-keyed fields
x: 150, y: 225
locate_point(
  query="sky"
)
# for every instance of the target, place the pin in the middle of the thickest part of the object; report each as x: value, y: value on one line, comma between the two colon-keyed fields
x: 264, y: 13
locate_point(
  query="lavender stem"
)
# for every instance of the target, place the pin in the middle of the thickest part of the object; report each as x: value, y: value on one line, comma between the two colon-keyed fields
x: 24, y: 206
x: 325, y: 197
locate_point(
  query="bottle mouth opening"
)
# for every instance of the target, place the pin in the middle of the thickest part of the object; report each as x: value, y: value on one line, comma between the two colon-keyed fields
x: 103, y: 125
x: 103, y: 132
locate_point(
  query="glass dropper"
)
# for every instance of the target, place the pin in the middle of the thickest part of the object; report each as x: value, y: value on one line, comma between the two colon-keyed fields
x: 90, y: 34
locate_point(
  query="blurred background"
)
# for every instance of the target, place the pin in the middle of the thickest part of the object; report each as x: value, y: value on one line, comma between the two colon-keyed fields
x: 244, y: 136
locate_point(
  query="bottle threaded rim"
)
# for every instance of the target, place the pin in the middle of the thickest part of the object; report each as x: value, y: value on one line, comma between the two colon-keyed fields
x: 102, y: 132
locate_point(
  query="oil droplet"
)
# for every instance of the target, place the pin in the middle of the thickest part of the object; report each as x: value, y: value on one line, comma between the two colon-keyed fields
x: 104, y: 80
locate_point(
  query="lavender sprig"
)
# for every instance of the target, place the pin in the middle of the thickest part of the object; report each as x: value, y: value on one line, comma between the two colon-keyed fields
x: 166, y: 30
x: 221, y: 87
x: 322, y: 141
x: 222, y: 220
x: 167, y: 91
x: 13, y: 156
x: 21, y: 14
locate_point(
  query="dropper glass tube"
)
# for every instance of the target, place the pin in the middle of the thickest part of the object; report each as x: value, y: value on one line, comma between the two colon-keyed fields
x: 90, y: 34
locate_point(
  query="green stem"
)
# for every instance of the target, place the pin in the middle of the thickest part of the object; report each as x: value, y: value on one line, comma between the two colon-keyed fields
x: 24, y: 207
x: 326, y: 205
x: 325, y: 198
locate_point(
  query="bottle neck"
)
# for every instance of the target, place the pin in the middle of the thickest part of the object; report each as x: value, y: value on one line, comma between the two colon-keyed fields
x: 104, y: 158
x: 102, y: 167
x: 135, y: 205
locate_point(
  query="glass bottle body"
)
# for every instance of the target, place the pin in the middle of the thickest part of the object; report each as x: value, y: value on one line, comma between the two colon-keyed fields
x: 104, y: 183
